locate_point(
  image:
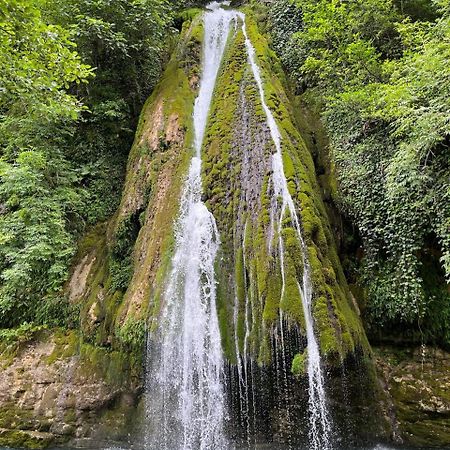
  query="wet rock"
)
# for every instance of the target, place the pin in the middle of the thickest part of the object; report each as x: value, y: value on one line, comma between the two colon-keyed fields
x: 22, y: 438
x: 417, y: 381
x: 56, y: 388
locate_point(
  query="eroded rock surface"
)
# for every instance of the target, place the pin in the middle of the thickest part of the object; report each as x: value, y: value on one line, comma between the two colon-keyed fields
x: 418, y: 383
x: 54, y: 388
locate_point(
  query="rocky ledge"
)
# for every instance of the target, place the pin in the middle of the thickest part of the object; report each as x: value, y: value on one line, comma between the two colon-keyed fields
x: 417, y: 381
x: 54, y: 389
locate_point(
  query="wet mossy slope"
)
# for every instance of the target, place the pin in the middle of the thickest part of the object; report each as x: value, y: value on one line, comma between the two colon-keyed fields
x: 124, y: 262
x: 238, y: 190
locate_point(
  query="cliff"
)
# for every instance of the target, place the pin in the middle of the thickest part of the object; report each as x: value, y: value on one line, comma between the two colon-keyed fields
x: 63, y: 385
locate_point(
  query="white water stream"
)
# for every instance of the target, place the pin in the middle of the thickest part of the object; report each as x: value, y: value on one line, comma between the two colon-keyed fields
x: 319, y: 422
x: 185, y: 392
x: 185, y: 399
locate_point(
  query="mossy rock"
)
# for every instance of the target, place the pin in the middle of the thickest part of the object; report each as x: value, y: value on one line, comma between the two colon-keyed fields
x: 128, y: 257
x: 25, y: 439
x: 418, y: 384
x: 237, y: 184
x: 299, y: 364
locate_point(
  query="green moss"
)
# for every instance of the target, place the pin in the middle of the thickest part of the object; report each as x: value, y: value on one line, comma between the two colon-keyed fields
x: 327, y: 335
x: 272, y: 295
x: 219, y: 165
x: 176, y: 93
x: 240, y: 275
x: 24, y: 439
x: 91, y: 240
x: 299, y: 364
x: 336, y: 321
x: 114, y: 367
x: 11, y: 416
x: 66, y: 345
x: 225, y: 315
x: 265, y: 351
x: 132, y: 335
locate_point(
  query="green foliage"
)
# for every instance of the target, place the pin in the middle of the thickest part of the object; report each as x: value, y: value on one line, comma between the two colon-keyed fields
x: 38, y: 62
x: 299, y: 363
x: 57, y: 311
x: 123, y: 40
x: 121, y: 272
x: 38, y: 202
x: 418, y: 9
x: 121, y: 267
x: 132, y: 335
x: 24, y: 333
x: 126, y: 42
x: 382, y: 70
x: 285, y: 20
x: 37, y: 194
x: 65, y: 134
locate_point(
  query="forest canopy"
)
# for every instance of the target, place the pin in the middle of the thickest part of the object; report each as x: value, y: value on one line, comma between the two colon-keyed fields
x: 73, y: 78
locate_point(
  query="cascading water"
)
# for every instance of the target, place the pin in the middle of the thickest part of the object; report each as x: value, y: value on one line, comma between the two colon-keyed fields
x: 319, y: 422
x: 185, y: 382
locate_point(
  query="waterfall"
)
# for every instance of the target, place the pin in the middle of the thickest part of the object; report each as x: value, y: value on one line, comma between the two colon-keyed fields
x: 185, y: 381
x: 185, y: 399
x: 319, y: 422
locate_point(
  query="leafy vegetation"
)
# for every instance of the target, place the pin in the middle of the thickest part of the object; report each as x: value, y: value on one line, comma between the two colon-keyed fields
x: 380, y: 71
x: 73, y: 78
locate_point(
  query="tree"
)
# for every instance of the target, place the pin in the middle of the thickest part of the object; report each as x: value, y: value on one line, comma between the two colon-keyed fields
x: 38, y: 63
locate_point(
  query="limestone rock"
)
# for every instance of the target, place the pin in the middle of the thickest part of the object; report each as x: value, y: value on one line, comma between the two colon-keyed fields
x: 417, y: 381
x: 55, y: 388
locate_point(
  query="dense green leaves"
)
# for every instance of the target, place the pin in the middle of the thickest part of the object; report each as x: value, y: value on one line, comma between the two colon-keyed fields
x: 73, y: 77
x: 38, y: 60
x: 382, y: 70
x: 37, y: 194
x: 35, y: 237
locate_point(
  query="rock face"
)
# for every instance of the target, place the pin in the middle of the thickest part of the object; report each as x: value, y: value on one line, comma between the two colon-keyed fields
x: 59, y: 386
x: 54, y: 388
x: 417, y: 381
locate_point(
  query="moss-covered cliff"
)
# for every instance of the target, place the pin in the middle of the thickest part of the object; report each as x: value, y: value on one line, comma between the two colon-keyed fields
x: 238, y: 189
x: 122, y: 265
x: 84, y: 383
x: 259, y: 319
